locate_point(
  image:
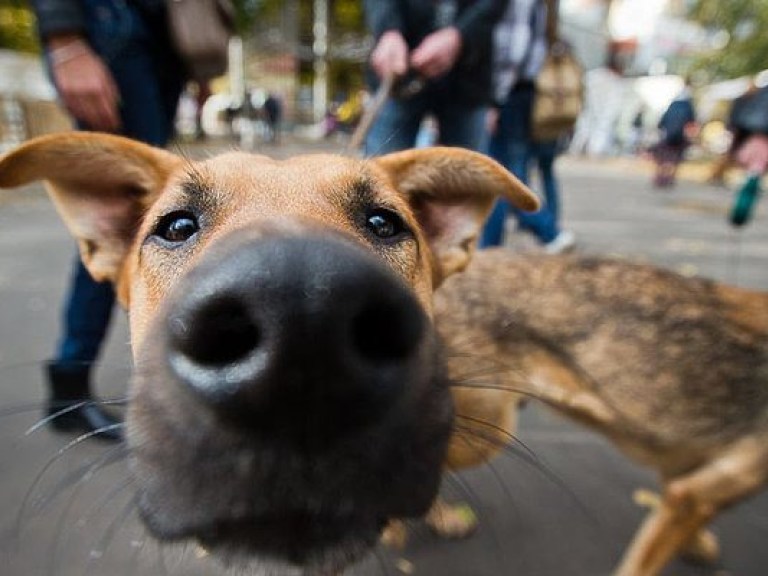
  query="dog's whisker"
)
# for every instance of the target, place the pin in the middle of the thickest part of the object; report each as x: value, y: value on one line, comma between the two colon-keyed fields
x: 536, y: 463
x: 464, y: 435
x: 73, y: 407
x: 42, y: 422
x: 511, y: 437
x: 33, y: 406
x: 477, y: 370
x: 82, y: 475
x: 477, y: 506
x: 96, y: 432
x: 55, y: 458
x: 105, y: 500
x: 109, y: 534
x: 481, y: 364
x: 101, y: 462
x: 498, y: 387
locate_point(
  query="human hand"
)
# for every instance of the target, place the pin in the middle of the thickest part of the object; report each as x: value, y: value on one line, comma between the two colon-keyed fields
x: 390, y: 57
x: 85, y: 84
x: 437, y: 53
x: 492, y: 120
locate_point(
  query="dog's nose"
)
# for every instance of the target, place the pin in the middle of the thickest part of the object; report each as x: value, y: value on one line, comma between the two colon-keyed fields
x: 295, y: 335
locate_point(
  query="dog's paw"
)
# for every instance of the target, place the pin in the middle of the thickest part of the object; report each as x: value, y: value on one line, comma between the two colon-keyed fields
x: 704, y: 548
x: 452, y: 520
x: 395, y: 535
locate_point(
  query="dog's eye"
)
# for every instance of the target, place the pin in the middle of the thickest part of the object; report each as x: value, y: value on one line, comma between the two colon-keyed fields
x: 384, y: 223
x: 177, y: 226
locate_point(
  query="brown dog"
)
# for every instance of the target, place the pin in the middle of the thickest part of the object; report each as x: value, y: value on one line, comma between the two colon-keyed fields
x: 674, y: 370
x: 290, y: 397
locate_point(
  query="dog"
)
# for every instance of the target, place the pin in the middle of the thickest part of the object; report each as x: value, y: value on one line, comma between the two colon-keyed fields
x: 290, y: 396
x: 673, y: 370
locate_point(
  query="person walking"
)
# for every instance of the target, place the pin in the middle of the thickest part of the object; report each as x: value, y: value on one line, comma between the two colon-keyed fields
x: 520, y: 47
x: 440, y: 52
x: 115, y: 70
x: 749, y: 122
x: 674, y: 126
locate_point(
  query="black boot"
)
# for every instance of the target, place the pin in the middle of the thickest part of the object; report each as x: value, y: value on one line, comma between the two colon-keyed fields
x: 70, y: 386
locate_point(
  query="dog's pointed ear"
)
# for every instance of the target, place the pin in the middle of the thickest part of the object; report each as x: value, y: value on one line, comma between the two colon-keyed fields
x: 101, y: 185
x: 452, y: 191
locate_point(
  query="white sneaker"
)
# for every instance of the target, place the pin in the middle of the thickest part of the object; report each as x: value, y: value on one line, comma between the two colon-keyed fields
x: 563, y: 242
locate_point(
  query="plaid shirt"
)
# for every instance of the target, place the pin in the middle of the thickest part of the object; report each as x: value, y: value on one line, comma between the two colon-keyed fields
x: 519, y: 45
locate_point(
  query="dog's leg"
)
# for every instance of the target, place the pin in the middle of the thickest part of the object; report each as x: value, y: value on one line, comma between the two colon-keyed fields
x: 690, y: 502
x: 702, y: 548
x: 451, y: 520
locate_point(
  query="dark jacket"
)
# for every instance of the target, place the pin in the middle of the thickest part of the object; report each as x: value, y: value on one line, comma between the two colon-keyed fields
x: 68, y: 16
x: 470, y: 78
x: 59, y: 17
x: 675, y: 119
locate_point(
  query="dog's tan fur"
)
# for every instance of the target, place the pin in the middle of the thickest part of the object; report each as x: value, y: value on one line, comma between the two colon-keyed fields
x: 674, y: 370
x: 114, y: 194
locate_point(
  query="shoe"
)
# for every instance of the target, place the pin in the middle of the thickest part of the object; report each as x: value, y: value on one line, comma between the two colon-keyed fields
x: 565, y: 241
x: 71, y: 407
x: 745, y: 201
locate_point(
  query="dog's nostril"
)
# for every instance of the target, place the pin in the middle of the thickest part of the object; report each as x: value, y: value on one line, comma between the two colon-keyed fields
x: 216, y: 334
x: 383, y: 333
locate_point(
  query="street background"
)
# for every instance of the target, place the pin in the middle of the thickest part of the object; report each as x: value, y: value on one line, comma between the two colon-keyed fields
x: 559, y: 503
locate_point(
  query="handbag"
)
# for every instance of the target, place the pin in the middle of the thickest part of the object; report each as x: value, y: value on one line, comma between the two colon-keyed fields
x: 200, y: 31
x: 559, y: 96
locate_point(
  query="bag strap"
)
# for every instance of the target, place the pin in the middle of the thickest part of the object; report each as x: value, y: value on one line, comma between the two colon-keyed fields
x: 553, y: 36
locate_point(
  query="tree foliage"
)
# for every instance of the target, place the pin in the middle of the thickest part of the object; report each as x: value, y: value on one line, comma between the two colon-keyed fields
x: 738, y: 27
x: 17, y: 26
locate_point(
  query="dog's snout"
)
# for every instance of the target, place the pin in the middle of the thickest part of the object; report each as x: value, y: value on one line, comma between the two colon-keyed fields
x: 285, y: 331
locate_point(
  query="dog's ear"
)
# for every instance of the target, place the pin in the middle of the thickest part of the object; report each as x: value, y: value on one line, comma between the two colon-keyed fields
x: 452, y: 191
x: 101, y: 185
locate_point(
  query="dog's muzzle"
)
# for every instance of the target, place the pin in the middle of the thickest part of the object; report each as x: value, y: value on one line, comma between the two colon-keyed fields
x: 289, y: 403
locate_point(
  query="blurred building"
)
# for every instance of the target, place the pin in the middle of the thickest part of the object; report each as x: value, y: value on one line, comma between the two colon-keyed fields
x: 311, y: 52
x: 647, y: 36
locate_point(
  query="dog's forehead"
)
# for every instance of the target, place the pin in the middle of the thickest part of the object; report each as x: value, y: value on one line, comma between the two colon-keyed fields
x: 243, y: 181
x: 255, y: 173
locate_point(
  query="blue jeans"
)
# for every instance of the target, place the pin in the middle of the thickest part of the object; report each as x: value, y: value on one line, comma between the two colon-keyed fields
x: 511, y: 145
x: 398, y: 123
x: 149, y: 79
x: 544, y: 154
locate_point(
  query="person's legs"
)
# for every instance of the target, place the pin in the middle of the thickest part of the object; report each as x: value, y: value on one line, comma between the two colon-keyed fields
x: 87, y: 313
x: 396, y: 126
x: 492, y: 233
x: 461, y: 125
x: 515, y: 123
x: 545, y: 158
x: 541, y: 224
x: 86, y: 318
x: 560, y: 240
x: 752, y: 155
x: 515, y: 128
x: 508, y: 145
x: 149, y: 89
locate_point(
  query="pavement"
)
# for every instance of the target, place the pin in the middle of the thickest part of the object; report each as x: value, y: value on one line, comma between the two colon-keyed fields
x: 559, y: 502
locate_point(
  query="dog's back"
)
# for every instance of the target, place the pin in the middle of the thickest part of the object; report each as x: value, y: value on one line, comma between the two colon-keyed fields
x: 679, y: 365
